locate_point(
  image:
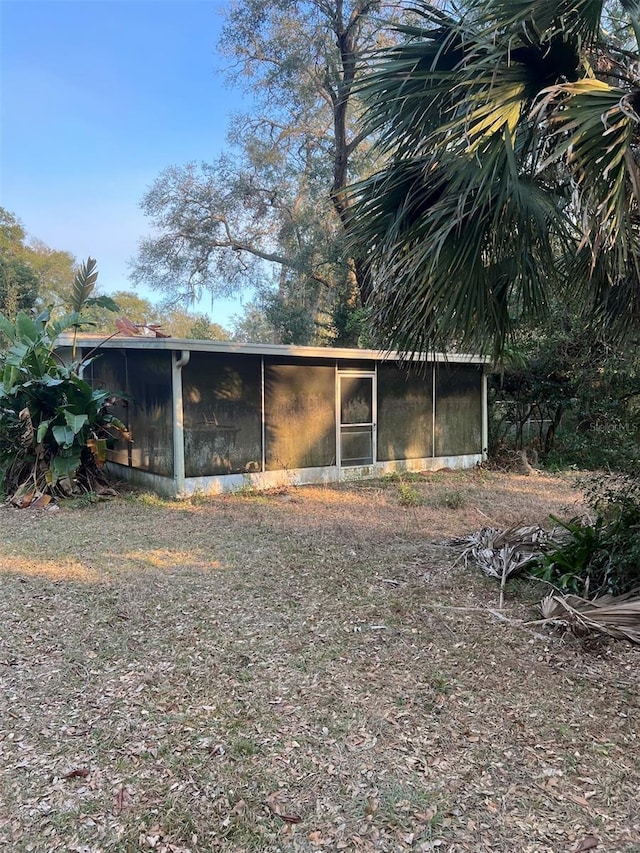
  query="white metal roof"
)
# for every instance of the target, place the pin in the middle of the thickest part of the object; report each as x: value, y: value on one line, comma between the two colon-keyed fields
x: 179, y: 344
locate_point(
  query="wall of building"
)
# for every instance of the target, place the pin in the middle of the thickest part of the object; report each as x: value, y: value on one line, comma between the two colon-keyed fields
x: 141, y: 384
x: 247, y: 417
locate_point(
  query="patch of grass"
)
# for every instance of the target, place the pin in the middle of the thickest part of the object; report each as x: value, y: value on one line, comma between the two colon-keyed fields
x: 261, y: 495
x: 448, y: 499
x: 148, y: 499
x: 243, y: 747
x: 408, y: 495
x: 246, y: 491
x: 407, y: 807
x: 454, y: 500
x: 80, y: 501
x: 401, y: 477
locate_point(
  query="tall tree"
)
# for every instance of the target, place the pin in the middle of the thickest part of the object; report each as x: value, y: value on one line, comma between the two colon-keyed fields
x: 511, y: 129
x: 55, y: 270
x: 32, y: 275
x: 18, y: 279
x: 253, y: 326
x: 273, y: 210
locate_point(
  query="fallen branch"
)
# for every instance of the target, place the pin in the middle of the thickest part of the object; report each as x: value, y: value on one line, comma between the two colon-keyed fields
x: 514, y: 623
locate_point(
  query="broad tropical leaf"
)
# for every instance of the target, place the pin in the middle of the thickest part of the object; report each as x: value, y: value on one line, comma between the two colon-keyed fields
x: 98, y: 447
x: 103, y: 302
x: 26, y: 328
x: 63, y: 466
x: 43, y: 426
x: 75, y: 422
x: 64, y: 435
x: 7, y: 329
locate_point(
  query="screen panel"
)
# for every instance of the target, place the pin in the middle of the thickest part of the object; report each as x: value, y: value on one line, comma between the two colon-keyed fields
x: 299, y: 415
x: 405, y: 413
x: 109, y: 372
x: 141, y: 382
x: 151, y: 410
x: 356, y: 446
x: 458, y: 409
x: 222, y: 401
x: 356, y: 399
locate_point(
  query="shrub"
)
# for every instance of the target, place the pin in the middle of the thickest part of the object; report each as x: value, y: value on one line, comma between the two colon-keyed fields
x: 54, y: 426
x: 602, y: 557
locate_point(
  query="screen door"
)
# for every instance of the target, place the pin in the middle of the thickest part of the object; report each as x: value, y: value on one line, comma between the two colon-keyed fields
x: 357, y: 406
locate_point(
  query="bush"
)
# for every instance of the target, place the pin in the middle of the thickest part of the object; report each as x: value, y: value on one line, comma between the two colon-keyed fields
x: 603, y: 557
x: 54, y: 426
x: 612, y: 446
x: 569, y: 393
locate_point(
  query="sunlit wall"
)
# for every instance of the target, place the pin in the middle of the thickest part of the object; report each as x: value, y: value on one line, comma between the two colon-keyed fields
x: 246, y: 413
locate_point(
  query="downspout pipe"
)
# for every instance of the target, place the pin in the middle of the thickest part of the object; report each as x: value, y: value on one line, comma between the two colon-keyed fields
x: 485, y: 414
x: 177, y: 363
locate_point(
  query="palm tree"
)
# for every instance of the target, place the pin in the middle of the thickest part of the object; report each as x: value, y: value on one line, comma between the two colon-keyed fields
x: 510, y: 132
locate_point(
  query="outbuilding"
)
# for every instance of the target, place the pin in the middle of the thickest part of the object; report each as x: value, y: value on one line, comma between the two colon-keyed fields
x: 212, y: 416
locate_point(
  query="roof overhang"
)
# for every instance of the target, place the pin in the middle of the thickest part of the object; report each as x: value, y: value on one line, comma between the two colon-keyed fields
x: 143, y: 342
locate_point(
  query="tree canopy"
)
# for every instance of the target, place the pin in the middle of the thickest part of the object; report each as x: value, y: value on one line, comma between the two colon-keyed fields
x: 36, y: 278
x: 510, y: 132
x: 18, y: 279
x: 272, y: 211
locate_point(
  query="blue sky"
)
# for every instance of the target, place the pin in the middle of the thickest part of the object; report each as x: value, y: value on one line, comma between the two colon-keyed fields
x: 97, y: 97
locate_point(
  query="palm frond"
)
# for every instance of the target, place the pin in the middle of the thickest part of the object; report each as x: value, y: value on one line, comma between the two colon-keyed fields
x: 545, y: 17
x: 84, y: 284
x: 442, y: 266
x: 508, y: 164
x: 615, y: 616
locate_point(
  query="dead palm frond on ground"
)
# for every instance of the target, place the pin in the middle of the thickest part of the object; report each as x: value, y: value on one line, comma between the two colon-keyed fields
x: 503, y: 554
x: 615, y: 616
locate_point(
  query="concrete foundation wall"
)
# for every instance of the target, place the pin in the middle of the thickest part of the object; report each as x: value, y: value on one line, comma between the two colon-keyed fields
x: 297, y: 477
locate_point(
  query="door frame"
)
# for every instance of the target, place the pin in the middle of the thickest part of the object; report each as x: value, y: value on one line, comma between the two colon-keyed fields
x: 352, y: 373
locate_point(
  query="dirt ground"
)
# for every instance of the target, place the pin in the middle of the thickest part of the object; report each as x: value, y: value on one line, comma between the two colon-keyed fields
x: 306, y: 670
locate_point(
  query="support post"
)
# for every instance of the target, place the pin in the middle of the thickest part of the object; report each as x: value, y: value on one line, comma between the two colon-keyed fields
x: 177, y: 363
x: 485, y: 415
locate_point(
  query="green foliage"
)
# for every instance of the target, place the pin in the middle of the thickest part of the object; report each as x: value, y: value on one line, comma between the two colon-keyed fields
x: 612, y: 443
x: 18, y: 280
x: 408, y: 495
x: 570, y: 567
x: 603, y: 557
x: 31, y: 274
x: 18, y: 285
x: 401, y: 477
x: 253, y: 326
x: 53, y: 426
x: 568, y: 393
x: 349, y: 321
x: 291, y: 320
x: 453, y: 500
x: 203, y: 329
x: 509, y: 173
x: 84, y: 285
x: 34, y: 277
